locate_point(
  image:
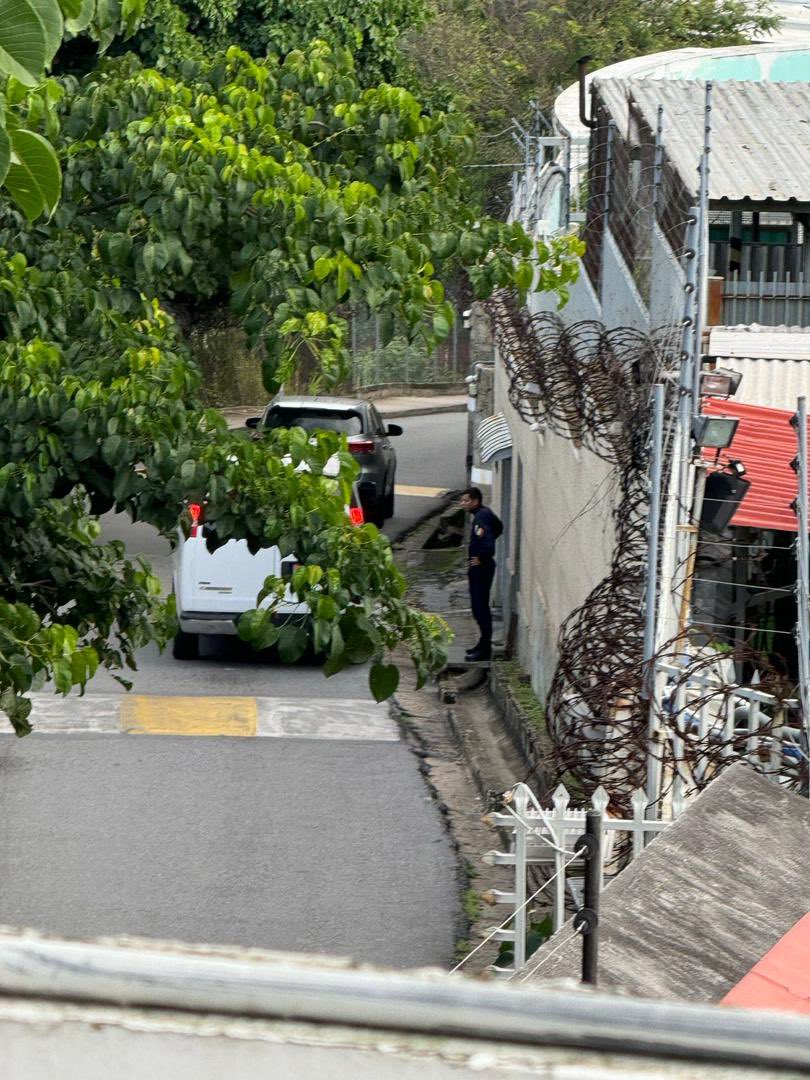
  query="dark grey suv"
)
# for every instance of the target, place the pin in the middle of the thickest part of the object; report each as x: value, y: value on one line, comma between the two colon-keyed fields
x: 369, y: 439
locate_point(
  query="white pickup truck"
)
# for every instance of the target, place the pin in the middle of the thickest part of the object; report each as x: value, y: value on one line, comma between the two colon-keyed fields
x: 213, y: 589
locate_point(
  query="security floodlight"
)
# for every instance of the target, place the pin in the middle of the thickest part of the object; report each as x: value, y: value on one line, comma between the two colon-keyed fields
x: 714, y: 432
x: 736, y: 467
x: 722, y: 382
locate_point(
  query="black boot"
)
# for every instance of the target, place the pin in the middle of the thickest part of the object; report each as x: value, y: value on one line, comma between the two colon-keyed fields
x: 480, y: 652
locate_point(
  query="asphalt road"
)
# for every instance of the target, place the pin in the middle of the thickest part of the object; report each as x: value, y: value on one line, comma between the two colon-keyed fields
x: 275, y: 808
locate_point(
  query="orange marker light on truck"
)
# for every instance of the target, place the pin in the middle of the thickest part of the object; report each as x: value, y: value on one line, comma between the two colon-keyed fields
x: 196, y: 512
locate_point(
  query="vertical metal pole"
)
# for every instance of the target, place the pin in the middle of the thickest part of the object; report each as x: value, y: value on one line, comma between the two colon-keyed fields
x: 377, y: 341
x: 802, y: 585
x: 653, y: 531
x: 658, y: 162
x: 702, y: 247
x: 354, y: 347
x: 586, y: 921
x: 692, y: 531
x: 606, y: 201
x: 653, y: 528
x: 519, y: 925
x: 567, y: 182
x: 680, y: 495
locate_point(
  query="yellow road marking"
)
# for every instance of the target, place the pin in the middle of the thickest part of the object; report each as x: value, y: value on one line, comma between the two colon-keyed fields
x: 142, y: 715
x: 427, y: 492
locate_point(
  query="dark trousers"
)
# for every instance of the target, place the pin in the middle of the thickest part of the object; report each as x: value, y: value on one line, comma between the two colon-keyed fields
x: 480, y: 579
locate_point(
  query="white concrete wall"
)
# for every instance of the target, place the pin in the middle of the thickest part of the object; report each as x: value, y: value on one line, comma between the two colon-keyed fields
x: 666, y: 284
x: 565, y: 539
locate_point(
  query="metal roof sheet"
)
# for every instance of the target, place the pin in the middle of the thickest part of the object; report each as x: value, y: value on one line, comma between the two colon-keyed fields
x: 765, y: 442
x: 781, y: 979
x: 753, y: 341
x: 773, y: 383
x: 494, y: 438
x: 774, y: 362
x: 760, y: 133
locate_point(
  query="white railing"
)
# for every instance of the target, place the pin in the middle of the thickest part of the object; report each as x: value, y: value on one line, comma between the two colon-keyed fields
x: 740, y: 722
x: 546, y: 838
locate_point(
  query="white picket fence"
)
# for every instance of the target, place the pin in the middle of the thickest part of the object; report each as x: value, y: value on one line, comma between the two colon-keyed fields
x: 547, y: 837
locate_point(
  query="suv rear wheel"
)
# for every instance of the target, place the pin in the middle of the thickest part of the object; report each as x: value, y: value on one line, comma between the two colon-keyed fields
x: 388, y: 504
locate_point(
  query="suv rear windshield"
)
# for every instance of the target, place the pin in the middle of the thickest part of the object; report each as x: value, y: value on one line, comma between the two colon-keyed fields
x: 347, y: 423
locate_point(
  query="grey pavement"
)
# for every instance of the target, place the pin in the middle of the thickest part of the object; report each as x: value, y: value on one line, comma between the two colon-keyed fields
x: 312, y: 846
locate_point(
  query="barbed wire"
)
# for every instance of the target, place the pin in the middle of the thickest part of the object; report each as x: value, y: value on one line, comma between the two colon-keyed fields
x: 593, y: 385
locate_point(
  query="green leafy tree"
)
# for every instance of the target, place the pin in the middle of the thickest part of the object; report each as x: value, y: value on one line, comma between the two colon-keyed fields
x: 31, y: 32
x: 280, y: 186
x: 370, y: 29
x: 494, y: 58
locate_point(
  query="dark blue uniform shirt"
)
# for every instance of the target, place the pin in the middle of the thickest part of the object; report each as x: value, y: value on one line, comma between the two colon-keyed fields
x: 483, y: 535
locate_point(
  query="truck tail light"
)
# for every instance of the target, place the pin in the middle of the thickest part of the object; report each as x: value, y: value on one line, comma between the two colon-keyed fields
x: 361, y: 446
x: 197, y: 515
x: 356, y: 515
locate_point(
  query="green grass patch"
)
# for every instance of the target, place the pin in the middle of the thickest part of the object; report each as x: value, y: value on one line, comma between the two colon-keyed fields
x: 520, y: 689
x: 471, y: 903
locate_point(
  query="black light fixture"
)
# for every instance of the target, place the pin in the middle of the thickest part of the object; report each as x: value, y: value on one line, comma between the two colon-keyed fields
x: 714, y: 432
x: 736, y: 467
x: 722, y: 382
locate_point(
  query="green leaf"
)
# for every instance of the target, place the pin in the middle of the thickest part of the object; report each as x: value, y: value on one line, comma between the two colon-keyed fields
x: 292, y: 643
x: 34, y: 179
x: 50, y: 15
x: 383, y: 679
x: 71, y: 9
x: 5, y: 154
x: 77, y: 23
x: 24, y: 44
x: 524, y: 276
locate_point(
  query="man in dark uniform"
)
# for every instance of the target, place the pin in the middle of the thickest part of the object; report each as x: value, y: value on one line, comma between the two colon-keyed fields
x: 486, y: 528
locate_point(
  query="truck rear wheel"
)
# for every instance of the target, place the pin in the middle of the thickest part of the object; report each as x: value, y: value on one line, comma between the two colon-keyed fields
x: 186, y: 646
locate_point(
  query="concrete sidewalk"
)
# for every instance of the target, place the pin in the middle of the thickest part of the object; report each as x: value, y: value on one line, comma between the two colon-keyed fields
x: 392, y: 407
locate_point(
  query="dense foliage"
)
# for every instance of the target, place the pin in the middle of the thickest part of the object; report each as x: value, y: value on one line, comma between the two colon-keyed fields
x: 495, y: 57
x: 286, y: 189
x: 370, y: 29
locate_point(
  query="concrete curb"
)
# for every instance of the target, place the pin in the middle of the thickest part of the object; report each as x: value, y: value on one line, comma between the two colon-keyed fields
x: 421, y: 410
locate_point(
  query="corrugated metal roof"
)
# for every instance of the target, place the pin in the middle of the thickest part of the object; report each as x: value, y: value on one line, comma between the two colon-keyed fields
x: 774, y: 362
x: 773, y: 383
x: 494, y: 438
x: 752, y: 341
x: 760, y: 133
x: 765, y: 442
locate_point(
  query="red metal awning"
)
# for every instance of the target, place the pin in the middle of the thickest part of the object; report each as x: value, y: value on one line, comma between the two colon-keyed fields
x: 781, y: 979
x: 765, y: 443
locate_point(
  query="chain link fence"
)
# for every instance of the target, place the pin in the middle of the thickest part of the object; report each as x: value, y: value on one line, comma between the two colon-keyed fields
x: 404, y: 362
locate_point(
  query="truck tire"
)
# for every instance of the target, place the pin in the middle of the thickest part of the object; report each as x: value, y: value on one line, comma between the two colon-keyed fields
x: 186, y: 646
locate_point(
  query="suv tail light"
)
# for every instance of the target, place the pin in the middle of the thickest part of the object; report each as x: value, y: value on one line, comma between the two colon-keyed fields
x: 356, y: 515
x: 359, y: 445
x: 197, y: 515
